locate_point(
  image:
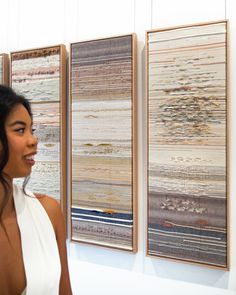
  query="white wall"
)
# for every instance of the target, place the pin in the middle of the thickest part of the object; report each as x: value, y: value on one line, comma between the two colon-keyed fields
x: 26, y: 24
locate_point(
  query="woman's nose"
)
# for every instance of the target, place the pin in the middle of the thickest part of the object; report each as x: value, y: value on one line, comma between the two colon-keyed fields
x: 33, y: 140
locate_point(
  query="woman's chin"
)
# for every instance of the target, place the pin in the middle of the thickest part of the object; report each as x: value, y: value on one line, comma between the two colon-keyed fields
x: 21, y: 175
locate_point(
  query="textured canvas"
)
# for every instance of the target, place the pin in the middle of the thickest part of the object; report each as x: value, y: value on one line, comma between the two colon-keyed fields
x: 103, y: 142
x: 38, y: 74
x: 4, y: 67
x: 187, y: 98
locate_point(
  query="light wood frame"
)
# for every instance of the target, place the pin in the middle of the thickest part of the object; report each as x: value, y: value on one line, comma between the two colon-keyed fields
x: 58, y: 101
x: 5, y: 69
x: 134, y: 202
x: 164, y: 226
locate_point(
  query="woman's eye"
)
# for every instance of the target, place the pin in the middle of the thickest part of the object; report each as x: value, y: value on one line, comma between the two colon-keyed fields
x: 33, y: 130
x: 20, y: 130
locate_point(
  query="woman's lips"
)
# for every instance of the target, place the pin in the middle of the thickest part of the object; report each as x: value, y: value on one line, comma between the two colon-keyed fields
x: 30, y: 160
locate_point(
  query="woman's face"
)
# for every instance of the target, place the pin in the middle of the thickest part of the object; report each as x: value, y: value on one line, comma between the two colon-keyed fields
x: 21, y: 142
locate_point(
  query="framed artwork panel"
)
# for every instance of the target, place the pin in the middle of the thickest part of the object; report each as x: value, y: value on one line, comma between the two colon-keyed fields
x: 187, y: 143
x: 4, y: 69
x: 39, y: 75
x: 103, y: 142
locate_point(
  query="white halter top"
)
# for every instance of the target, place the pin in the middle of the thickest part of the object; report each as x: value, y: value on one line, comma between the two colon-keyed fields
x: 39, y: 246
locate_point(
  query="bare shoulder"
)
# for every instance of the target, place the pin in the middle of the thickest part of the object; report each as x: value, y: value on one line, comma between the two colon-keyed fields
x: 48, y: 202
x: 52, y: 207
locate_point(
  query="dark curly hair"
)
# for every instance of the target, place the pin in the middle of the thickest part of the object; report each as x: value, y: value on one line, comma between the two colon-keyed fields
x: 8, y: 100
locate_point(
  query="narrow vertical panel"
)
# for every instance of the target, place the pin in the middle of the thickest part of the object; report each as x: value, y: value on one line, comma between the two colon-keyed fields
x: 39, y: 75
x: 187, y: 143
x: 103, y: 142
x: 4, y: 69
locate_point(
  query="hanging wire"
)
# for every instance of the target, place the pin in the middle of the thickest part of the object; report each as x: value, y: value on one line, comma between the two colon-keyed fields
x: 134, y: 24
x: 225, y: 9
x: 151, y: 12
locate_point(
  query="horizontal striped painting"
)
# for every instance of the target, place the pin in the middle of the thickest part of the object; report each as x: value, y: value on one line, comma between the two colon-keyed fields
x: 4, y: 67
x: 103, y: 142
x: 39, y: 75
x: 187, y: 142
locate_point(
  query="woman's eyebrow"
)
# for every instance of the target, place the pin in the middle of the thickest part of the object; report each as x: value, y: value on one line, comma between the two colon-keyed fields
x: 17, y: 123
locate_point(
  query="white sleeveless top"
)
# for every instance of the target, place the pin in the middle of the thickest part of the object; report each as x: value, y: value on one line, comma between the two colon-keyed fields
x: 39, y: 245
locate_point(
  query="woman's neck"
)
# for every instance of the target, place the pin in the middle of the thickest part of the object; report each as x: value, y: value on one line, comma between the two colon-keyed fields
x: 6, y: 199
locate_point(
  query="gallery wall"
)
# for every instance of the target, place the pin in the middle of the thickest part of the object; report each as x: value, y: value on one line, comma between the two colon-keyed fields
x: 26, y: 24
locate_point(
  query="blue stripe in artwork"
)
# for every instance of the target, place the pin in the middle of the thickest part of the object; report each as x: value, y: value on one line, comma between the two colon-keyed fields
x: 125, y: 216
x: 100, y: 216
x: 113, y: 221
x: 189, y: 230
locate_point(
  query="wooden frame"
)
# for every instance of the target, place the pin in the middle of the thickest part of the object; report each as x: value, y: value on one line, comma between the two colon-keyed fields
x: 40, y: 75
x: 4, y: 69
x: 187, y: 143
x: 103, y: 144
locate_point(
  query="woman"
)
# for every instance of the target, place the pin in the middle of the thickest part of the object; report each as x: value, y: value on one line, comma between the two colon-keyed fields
x: 33, y: 259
